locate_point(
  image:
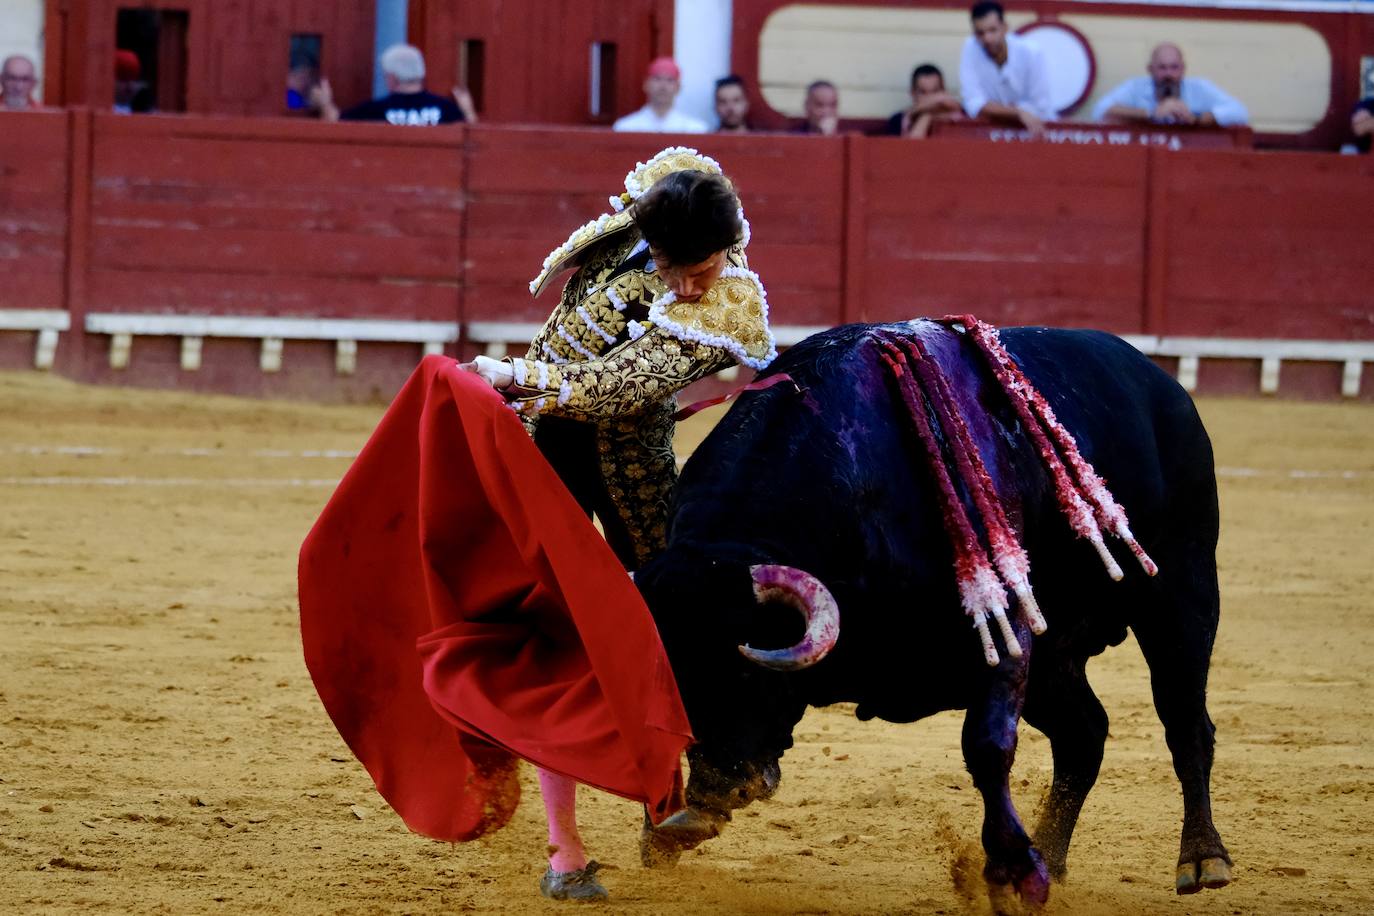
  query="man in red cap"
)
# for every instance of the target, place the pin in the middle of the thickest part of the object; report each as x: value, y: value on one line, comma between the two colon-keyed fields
x: 661, y: 85
x: 17, y: 79
x: 131, y: 94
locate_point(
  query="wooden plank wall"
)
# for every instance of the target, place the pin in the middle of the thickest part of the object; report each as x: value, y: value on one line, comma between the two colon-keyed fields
x: 1274, y: 245
x: 277, y: 218
x: 249, y: 41
x: 34, y: 177
x: 237, y: 51
x: 529, y: 189
x: 793, y: 189
x: 201, y: 216
x: 34, y: 159
x: 1012, y: 235
x: 538, y: 52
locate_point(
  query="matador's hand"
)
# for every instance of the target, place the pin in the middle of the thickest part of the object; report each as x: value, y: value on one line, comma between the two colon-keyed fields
x: 495, y: 373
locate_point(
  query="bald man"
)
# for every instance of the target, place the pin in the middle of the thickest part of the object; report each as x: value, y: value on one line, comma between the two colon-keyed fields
x: 17, y: 80
x: 1165, y: 96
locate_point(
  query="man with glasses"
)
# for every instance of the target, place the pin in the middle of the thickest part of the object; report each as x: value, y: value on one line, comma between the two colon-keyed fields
x: 16, y: 84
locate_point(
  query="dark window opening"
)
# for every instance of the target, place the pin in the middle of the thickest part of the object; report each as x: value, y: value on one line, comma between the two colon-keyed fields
x: 304, y: 59
x: 472, y: 66
x: 601, y: 93
x: 150, y: 60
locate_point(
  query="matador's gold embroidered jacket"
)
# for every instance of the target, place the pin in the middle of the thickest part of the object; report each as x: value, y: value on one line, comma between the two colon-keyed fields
x: 619, y: 346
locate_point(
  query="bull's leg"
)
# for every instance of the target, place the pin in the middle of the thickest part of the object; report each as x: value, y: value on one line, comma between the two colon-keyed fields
x: 1177, y: 643
x: 989, y: 741
x: 1061, y: 704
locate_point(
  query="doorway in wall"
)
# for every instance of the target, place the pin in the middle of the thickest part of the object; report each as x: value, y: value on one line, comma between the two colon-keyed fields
x: 150, y: 60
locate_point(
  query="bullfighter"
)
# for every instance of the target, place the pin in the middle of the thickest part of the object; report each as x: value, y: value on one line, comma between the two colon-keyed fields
x: 662, y: 295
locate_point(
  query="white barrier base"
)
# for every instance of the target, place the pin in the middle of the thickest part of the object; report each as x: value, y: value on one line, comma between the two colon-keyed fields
x: 495, y: 338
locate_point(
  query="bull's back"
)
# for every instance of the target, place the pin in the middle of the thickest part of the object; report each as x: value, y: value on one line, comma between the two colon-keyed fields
x: 1133, y: 422
x: 830, y: 478
x: 833, y: 445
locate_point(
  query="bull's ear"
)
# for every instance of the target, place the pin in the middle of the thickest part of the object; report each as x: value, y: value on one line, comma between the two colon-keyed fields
x: 803, y: 592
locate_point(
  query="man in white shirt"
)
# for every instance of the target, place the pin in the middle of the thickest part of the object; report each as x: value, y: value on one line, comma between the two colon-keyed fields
x: 661, y: 85
x: 1003, y: 77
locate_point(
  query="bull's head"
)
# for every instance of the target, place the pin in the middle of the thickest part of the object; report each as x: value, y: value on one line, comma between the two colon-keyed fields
x: 736, y: 646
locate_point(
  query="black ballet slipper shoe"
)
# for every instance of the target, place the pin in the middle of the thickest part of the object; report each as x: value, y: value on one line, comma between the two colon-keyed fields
x: 580, y: 884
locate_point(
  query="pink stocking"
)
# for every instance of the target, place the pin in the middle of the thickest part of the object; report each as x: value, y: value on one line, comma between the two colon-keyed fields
x: 560, y: 806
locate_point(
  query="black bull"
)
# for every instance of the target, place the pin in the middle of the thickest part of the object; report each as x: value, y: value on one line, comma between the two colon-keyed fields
x: 826, y: 480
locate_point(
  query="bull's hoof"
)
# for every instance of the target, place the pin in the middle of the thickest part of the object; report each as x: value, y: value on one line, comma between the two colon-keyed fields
x: 1011, y: 900
x: 1025, y: 895
x: 687, y: 829
x: 657, y: 851
x: 1035, y: 887
x: 1192, y: 877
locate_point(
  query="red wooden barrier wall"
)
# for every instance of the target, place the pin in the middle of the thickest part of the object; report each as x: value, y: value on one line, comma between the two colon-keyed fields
x: 528, y: 189
x: 236, y: 51
x: 1273, y: 245
x: 275, y: 218
x: 35, y: 157
x: 537, y: 53
x: 34, y: 160
x: 161, y: 215
x: 1012, y: 235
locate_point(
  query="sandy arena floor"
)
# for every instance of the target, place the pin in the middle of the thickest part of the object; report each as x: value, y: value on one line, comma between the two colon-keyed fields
x: 162, y: 748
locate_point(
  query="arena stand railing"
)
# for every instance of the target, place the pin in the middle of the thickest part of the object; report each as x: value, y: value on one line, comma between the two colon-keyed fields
x: 298, y: 259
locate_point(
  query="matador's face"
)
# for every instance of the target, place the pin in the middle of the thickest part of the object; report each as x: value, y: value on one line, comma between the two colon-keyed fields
x: 690, y: 282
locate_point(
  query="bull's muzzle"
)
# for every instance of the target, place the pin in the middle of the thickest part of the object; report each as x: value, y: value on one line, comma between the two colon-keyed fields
x: 722, y: 791
x: 804, y: 592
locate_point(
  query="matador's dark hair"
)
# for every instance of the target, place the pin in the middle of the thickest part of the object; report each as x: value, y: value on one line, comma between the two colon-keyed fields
x: 688, y: 216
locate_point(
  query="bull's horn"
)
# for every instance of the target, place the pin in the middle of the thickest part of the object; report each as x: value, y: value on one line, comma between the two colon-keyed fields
x: 813, y: 600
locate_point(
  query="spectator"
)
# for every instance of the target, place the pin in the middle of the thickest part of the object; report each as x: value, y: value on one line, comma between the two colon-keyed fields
x: 1362, y: 123
x: 929, y: 102
x: 821, y: 108
x: 301, y: 81
x: 132, y: 95
x: 406, y: 101
x: 661, y: 85
x: 1003, y: 77
x: 17, y: 79
x: 1166, y: 97
x: 732, y: 106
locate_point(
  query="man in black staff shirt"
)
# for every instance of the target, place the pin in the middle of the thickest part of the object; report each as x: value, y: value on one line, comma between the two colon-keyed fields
x: 406, y: 103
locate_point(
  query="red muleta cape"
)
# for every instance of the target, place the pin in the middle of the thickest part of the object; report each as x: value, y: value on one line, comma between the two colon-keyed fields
x: 459, y: 610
